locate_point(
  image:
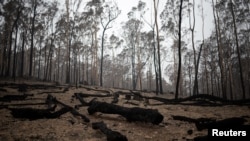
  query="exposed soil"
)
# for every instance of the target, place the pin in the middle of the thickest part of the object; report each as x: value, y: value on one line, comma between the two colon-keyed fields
x: 72, y: 128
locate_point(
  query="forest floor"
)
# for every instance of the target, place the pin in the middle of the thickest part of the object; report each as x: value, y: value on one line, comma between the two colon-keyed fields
x: 68, y: 127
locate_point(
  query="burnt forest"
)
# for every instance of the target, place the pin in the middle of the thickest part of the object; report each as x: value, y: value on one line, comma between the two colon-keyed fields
x: 124, y: 70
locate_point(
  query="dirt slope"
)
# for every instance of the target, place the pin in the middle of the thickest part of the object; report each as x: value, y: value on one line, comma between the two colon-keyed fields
x: 72, y: 128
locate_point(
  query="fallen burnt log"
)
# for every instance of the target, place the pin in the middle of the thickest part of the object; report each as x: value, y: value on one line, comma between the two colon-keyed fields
x: 96, y: 89
x: 201, y: 138
x: 234, y: 122
x: 208, y: 123
x: 137, y: 95
x: 24, y: 86
x: 49, y: 92
x: 79, y: 97
x: 33, y: 114
x: 3, y: 90
x: 192, y: 120
x: 111, y: 135
x: 131, y: 114
x: 71, y: 109
x: 92, y: 95
x: 9, y: 98
x: 201, y: 100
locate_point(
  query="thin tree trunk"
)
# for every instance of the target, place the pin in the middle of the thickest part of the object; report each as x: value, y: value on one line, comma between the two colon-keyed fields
x: 39, y: 61
x: 4, y: 54
x: 221, y: 62
x: 158, y: 48
x: 32, y: 38
x: 22, y: 58
x: 14, y: 59
x: 195, y: 89
x: 179, y: 52
x: 238, y: 52
x: 103, y: 33
x: 10, y: 52
x: 58, y: 62
x: 68, y: 42
x: 231, y: 81
x: 197, y: 65
x: 156, y: 71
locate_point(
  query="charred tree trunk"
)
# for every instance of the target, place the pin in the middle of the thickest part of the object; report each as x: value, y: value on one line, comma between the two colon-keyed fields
x: 10, y: 44
x: 32, y: 38
x: 22, y: 56
x: 220, y: 51
x: 179, y: 52
x: 238, y: 51
x: 14, y: 58
x: 155, y: 65
x: 39, y: 61
x: 131, y: 114
x: 158, y: 49
x: 5, y: 44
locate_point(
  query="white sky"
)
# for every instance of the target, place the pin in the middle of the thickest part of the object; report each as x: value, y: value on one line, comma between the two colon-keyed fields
x: 126, y: 5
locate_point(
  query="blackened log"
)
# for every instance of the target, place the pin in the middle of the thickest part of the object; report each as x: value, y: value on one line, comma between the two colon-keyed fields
x: 22, y: 88
x: 72, y: 110
x: 234, y: 122
x: 34, y: 114
x: 84, y: 103
x: 208, y: 123
x: 137, y: 95
x: 127, y: 96
x: 201, y: 100
x: 3, y: 90
x: 96, y: 89
x: 111, y: 135
x: 131, y: 114
x: 192, y: 120
x: 92, y: 95
x: 201, y: 138
x: 8, y: 98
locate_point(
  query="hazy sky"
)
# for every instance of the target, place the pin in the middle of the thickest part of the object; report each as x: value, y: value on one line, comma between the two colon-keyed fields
x: 126, y: 5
